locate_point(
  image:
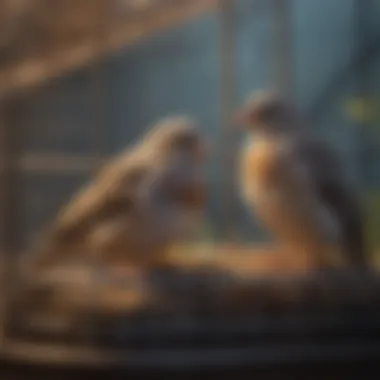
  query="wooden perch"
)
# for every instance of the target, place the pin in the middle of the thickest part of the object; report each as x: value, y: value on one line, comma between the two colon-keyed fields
x: 61, y: 163
x: 187, y: 307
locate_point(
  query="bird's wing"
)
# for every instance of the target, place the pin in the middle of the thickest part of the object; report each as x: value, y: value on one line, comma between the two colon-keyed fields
x: 283, y: 193
x: 334, y: 191
x: 101, y: 200
x: 113, y: 192
x: 85, y: 211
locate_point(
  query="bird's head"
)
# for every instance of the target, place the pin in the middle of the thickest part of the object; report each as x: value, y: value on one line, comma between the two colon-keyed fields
x: 268, y: 113
x: 176, y: 137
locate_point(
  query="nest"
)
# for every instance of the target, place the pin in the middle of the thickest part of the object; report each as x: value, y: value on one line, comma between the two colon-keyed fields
x: 194, y: 313
x: 183, y: 304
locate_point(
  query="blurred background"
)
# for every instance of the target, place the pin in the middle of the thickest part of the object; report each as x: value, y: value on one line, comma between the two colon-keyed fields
x: 82, y: 79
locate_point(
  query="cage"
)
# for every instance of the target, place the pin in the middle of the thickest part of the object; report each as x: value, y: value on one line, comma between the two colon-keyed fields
x: 79, y: 80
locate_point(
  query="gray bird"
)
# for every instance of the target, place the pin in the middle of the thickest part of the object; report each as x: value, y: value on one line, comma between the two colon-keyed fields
x: 295, y: 184
x: 138, y: 205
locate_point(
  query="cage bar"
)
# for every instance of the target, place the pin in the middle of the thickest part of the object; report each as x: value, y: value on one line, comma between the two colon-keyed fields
x: 11, y: 132
x: 283, y: 63
x: 227, y: 104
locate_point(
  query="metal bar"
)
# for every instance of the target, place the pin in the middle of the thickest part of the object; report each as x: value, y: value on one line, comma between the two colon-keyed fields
x: 38, y: 70
x: 192, y: 359
x: 98, y: 87
x: 227, y: 102
x: 185, y: 333
x: 10, y: 203
x: 57, y: 163
x: 283, y: 46
x: 364, y: 87
x: 98, y: 98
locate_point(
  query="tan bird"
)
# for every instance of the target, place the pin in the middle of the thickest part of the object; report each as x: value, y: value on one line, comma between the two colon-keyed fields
x: 138, y: 205
x: 295, y: 185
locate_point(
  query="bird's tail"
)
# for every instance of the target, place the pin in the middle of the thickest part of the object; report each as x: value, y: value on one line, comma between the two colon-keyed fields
x: 46, y: 250
x: 355, y: 246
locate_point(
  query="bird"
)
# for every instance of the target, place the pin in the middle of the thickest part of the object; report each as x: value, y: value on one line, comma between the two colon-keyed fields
x: 138, y: 205
x: 294, y: 183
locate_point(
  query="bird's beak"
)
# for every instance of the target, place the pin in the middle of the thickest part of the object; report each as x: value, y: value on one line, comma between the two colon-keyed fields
x: 204, y: 150
x: 242, y: 118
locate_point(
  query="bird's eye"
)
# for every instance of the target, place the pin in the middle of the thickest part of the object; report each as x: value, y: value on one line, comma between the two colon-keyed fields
x: 135, y: 176
x: 269, y: 113
x: 186, y: 142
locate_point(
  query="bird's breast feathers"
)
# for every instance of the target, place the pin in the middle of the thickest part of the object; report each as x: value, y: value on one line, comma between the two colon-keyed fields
x: 259, y: 172
x: 280, y: 189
